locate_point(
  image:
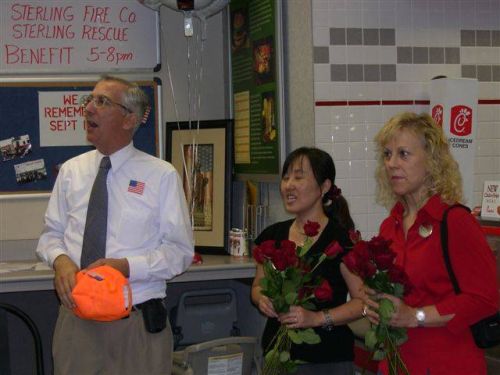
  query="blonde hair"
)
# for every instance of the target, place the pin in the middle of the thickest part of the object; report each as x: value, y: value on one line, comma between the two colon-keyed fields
x: 443, y: 172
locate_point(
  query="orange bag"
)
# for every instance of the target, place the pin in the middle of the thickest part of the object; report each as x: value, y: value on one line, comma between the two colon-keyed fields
x: 99, y: 294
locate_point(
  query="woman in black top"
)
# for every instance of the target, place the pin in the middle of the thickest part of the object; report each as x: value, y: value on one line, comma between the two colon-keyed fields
x: 308, y: 192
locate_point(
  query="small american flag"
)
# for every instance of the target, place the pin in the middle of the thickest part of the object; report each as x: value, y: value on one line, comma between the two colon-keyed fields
x: 136, y: 187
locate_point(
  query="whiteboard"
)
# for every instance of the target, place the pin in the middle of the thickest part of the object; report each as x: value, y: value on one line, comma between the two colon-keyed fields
x: 77, y: 36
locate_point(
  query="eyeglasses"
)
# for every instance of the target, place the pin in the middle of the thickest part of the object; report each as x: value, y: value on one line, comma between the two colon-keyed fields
x: 100, y: 101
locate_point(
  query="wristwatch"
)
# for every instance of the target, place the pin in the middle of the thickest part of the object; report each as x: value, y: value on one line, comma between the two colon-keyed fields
x: 420, y: 315
x: 328, y: 324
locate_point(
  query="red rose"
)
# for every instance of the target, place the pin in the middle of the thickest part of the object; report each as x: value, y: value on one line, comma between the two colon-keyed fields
x: 268, y: 248
x: 398, y: 275
x: 311, y: 228
x: 258, y: 255
x: 367, y: 270
x: 302, y: 293
x: 279, y: 262
x: 362, y: 251
x: 284, y: 254
x: 324, y: 291
x: 287, y: 245
x: 354, y: 236
x: 379, y: 244
x: 359, y: 262
x: 333, y: 249
x: 264, y: 251
x: 290, y: 253
x: 384, y: 260
x: 351, y: 262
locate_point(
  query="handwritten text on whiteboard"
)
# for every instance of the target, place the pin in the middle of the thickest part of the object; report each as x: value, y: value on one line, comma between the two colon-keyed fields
x: 77, y: 36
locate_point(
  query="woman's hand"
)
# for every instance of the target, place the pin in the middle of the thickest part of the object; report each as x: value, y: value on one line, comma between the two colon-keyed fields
x: 266, y: 307
x: 370, y: 304
x: 298, y: 317
x: 403, y: 315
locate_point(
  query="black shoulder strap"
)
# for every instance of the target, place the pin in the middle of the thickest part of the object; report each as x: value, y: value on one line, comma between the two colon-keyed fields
x: 444, y: 246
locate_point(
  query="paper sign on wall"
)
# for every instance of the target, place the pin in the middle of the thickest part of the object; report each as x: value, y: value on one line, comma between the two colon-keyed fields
x: 491, y: 200
x: 61, y: 119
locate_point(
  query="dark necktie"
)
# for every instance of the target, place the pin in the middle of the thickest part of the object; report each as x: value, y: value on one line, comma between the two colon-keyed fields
x: 94, y: 237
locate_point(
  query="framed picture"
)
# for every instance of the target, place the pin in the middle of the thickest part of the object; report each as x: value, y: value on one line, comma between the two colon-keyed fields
x: 202, y: 154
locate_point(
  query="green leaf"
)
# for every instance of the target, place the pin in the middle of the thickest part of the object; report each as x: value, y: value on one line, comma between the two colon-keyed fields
x: 290, y: 367
x: 284, y: 356
x: 280, y: 304
x: 306, y: 278
x: 270, y: 355
x: 309, y: 336
x: 293, y: 275
x: 385, y: 310
x: 399, y: 335
x: 291, y: 286
x: 305, y: 248
x: 382, y: 332
x: 308, y: 305
x: 291, y: 298
x: 371, y: 339
x: 399, y: 290
x: 294, y: 336
x: 379, y: 355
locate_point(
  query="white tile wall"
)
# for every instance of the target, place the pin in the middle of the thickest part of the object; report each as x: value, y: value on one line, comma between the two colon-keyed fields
x: 347, y: 132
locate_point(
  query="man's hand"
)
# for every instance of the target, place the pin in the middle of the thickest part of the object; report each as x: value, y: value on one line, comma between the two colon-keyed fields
x: 64, y: 280
x: 118, y: 264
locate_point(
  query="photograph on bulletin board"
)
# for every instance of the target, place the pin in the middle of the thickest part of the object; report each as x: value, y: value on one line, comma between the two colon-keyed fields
x: 43, y: 126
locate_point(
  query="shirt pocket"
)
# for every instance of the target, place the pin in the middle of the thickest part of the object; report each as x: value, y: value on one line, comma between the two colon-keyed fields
x: 135, y: 228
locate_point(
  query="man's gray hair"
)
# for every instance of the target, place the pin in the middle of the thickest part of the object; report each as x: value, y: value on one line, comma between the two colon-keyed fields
x: 134, y: 99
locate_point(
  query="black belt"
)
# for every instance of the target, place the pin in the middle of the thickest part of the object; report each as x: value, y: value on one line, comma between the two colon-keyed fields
x: 140, y: 306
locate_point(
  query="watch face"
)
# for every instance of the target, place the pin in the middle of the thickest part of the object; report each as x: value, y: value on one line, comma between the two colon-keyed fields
x: 420, y: 315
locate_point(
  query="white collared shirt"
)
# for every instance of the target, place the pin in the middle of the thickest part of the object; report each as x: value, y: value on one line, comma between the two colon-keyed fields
x: 150, y: 228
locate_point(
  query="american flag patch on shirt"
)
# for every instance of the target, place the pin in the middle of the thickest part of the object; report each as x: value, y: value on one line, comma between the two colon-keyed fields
x: 136, y: 187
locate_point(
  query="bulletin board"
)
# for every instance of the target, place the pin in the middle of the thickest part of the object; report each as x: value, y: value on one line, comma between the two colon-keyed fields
x: 42, y: 126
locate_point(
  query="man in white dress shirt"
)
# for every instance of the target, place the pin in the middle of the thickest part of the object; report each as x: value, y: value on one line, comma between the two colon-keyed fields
x: 149, y: 239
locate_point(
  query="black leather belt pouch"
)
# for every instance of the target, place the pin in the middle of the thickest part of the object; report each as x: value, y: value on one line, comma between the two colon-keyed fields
x: 154, y: 315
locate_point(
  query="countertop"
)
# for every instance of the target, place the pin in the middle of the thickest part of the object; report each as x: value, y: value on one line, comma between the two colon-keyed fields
x: 214, y: 267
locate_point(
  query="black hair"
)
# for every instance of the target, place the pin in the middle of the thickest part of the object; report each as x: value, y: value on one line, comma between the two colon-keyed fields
x: 323, y: 168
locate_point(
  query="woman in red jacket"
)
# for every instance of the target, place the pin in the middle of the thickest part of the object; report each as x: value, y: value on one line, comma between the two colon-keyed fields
x: 419, y: 179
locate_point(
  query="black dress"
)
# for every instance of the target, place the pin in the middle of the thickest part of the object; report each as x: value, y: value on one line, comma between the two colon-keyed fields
x: 336, y: 345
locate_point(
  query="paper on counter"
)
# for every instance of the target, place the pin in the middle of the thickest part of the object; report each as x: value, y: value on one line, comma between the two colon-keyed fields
x: 6, y: 267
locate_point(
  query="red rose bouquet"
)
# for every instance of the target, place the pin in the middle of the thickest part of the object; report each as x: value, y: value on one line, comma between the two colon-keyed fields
x: 288, y: 280
x: 373, y: 261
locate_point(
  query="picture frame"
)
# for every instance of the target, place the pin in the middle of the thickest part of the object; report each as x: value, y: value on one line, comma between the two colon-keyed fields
x: 202, y: 154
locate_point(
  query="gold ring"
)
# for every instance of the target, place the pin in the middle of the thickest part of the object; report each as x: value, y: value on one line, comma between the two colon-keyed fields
x: 365, y: 310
